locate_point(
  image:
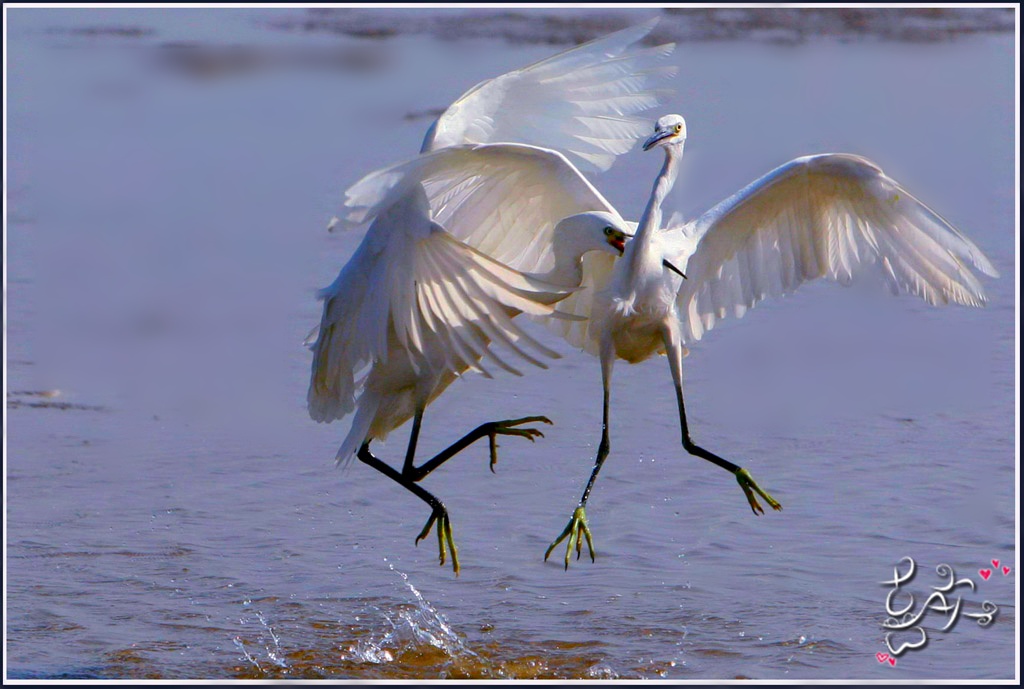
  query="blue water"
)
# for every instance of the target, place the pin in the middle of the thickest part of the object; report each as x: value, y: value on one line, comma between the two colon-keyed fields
x: 172, y: 512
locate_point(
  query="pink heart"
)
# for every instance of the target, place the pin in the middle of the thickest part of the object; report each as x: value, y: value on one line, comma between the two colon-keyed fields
x: 892, y: 661
x: 1006, y: 570
x: 882, y: 657
x: 995, y: 563
x: 985, y: 573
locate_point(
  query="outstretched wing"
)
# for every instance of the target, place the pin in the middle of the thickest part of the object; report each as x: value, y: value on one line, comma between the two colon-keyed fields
x: 502, y: 199
x: 582, y: 101
x: 415, y: 293
x: 834, y: 215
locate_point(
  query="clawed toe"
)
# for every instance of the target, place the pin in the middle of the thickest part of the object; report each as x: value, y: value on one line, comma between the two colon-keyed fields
x: 749, y: 486
x: 576, y: 530
x: 444, y: 536
x: 497, y: 428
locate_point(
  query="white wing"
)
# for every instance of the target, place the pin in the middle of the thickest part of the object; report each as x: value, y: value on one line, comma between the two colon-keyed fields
x: 502, y: 199
x: 582, y: 101
x: 833, y: 215
x: 415, y: 296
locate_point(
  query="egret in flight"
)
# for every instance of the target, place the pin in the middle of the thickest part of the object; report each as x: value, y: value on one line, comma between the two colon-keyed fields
x: 833, y: 215
x: 466, y: 236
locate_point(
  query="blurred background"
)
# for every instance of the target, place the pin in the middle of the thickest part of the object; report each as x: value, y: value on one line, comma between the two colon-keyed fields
x: 173, y: 512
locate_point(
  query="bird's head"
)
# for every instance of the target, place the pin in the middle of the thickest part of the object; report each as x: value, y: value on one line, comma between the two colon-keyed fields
x: 669, y: 131
x: 593, y: 231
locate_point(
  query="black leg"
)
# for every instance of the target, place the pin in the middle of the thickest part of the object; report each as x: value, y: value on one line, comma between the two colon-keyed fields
x: 491, y: 430
x: 743, y: 477
x: 691, y: 446
x: 578, y: 529
x: 438, y: 511
x: 602, y: 452
x: 411, y: 474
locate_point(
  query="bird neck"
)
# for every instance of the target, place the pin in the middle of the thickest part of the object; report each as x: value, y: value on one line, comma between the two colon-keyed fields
x: 650, y: 221
x: 568, y: 268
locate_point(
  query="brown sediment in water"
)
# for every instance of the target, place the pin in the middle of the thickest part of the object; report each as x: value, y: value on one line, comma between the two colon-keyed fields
x: 108, y: 31
x: 206, y: 60
x: 772, y: 25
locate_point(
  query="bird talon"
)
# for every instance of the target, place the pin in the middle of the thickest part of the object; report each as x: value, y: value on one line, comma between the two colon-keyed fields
x: 749, y: 486
x: 445, y: 541
x: 496, y: 428
x: 576, y: 531
x: 426, y: 528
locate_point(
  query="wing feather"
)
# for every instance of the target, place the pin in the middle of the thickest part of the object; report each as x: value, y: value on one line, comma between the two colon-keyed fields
x: 415, y: 295
x: 834, y: 215
x: 605, y: 80
x: 502, y: 199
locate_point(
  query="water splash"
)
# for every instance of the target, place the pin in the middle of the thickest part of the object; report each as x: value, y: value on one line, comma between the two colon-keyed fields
x: 271, y: 647
x: 412, y: 626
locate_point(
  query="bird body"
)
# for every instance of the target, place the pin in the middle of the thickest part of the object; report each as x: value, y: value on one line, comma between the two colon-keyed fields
x: 420, y: 303
x: 631, y: 314
x: 464, y: 238
x: 633, y: 311
x: 419, y: 308
x: 831, y: 215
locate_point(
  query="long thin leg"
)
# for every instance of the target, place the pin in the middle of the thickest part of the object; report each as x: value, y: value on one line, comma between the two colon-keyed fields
x: 743, y: 477
x: 411, y: 474
x: 489, y: 430
x: 438, y: 511
x: 605, y: 447
x: 577, y: 529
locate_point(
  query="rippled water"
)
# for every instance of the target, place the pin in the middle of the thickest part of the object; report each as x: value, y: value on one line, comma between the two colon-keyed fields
x: 172, y: 512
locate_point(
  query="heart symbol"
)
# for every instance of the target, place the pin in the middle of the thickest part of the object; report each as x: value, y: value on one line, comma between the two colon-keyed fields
x: 892, y: 661
x: 1006, y: 570
x: 882, y: 657
x: 995, y: 563
x: 985, y: 573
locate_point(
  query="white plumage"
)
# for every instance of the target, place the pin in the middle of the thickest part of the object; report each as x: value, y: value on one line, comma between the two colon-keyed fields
x: 421, y: 307
x: 583, y: 102
x: 833, y: 215
x: 466, y: 236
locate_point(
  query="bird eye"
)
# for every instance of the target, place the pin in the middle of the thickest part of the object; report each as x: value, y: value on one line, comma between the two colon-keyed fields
x: 679, y: 128
x: 608, y: 231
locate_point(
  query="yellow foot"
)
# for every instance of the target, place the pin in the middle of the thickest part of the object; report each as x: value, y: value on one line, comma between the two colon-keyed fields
x: 576, y: 530
x: 496, y: 428
x: 444, y: 535
x: 749, y: 486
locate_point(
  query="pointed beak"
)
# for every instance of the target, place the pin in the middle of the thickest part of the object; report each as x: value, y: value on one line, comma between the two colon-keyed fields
x: 619, y: 244
x: 658, y: 136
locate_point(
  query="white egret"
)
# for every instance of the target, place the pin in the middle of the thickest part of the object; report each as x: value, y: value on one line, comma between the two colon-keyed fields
x: 417, y: 308
x: 419, y: 304
x: 833, y: 215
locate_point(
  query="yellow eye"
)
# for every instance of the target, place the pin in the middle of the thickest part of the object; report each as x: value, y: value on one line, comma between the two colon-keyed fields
x: 679, y: 128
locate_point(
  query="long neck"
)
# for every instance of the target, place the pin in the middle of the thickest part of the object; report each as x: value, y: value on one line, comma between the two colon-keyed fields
x: 650, y: 221
x: 568, y: 268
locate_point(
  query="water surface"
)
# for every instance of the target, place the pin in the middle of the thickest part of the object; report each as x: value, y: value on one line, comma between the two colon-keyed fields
x: 172, y: 512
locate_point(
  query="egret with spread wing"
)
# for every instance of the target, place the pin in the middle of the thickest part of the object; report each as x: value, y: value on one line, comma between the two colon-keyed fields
x: 440, y: 273
x: 833, y: 215
x: 460, y: 241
